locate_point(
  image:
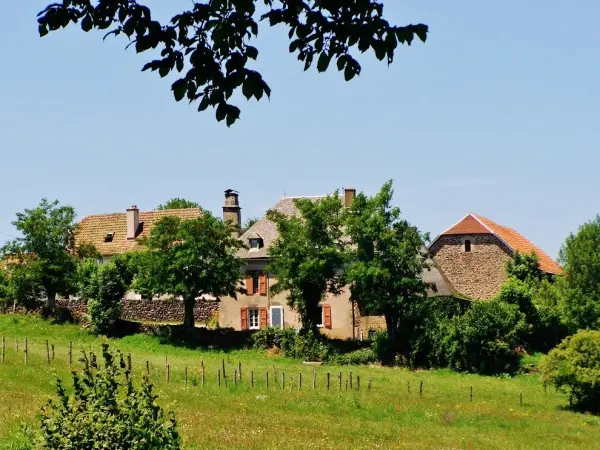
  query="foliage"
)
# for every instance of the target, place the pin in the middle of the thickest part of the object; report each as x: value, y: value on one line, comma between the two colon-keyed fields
x: 387, y: 260
x: 190, y: 258
x: 105, y: 286
x: 46, y: 244
x: 574, y: 366
x: 519, y: 293
x: 524, y: 267
x: 20, y: 285
x: 87, y: 250
x: 580, y: 288
x: 178, y: 203
x: 482, y: 340
x: 106, y: 410
x: 361, y: 356
x: 550, y: 329
x: 212, y: 322
x: 308, y: 255
x: 308, y: 346
x: 251, y: 221
x: 210, y: 43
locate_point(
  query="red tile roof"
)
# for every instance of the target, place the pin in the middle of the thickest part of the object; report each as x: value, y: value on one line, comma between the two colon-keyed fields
x: 93, y: 229
x: 476, y: 224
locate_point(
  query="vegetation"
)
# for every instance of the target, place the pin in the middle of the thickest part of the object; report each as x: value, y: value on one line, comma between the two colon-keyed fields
x: 190, y: 258
x: 45, y: 250
x: 241, y: 417
x: 308, y: 256
x: 121, y: 417
x: 210, y: 43
x: 574, y: 367
x: 178, y: 203
x: 248, y: 224
x: 386, y: 261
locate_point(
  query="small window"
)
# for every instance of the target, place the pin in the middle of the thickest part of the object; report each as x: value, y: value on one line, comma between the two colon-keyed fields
x: 109, y: 237
x: 320, y: 316
x: 467, y: 246
x: 255, y: 282
x: 371, y: 334
x: 255, y: 244
x: 253, y: 322
x: 277, y: 316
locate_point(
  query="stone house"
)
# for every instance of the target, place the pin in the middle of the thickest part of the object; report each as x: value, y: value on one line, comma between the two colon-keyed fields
x: 473, y: 254
x: 259, y: 308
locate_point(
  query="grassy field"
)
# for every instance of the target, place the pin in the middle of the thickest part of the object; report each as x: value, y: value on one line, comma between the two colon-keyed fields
x: 387, y: 417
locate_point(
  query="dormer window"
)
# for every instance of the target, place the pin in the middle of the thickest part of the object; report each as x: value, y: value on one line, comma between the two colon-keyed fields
x: 255, y: 242
x: 467, y: 245
x: 109, y: 237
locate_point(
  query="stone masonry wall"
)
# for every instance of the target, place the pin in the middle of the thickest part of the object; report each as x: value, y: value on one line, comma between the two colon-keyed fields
x: 145, y: 310
x: 477, y: 274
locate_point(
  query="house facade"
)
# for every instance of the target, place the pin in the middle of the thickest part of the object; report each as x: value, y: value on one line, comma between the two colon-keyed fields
x: 260, y: 308
x: 473, y: 254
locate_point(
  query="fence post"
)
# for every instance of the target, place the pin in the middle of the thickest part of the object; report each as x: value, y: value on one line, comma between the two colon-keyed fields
x: 340, y: 381
x: 47, y: 352
x: 186, y: 383
x: 202, y: 367
x: 252, y: 378
x: 346, y: 384
x: 147, y: 367
x: 223, y: 368
x: 282, y: 380
x: 370, y: 384
x: 471, y: 394
x: 328, y: 379
x: 521, y: 399
x: 358, y: 382
x: 234, y: 377
x: 299, y: 381
x: 17, y: 345
x: 3, y: 347
x: 219, y: 377
x: 350, y: 380
x: 267, y: 379
x: 70, y: 353
x: 168, y: 374
x: 314, y: 380
x: 52, y: 352
x: 129, y: 362
x: 421, y: 388
x: 240, y: 370
x: 26, y: 351
x: 408, y: 386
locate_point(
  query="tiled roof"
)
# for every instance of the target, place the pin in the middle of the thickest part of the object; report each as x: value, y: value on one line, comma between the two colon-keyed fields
x: 476, y: 224
x: 268, y: 232
x: 93, y: 229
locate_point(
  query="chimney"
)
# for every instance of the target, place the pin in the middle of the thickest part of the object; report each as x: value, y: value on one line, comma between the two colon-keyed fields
x: 232, y: 211
x: 349, y: 195
x: 133, y: 221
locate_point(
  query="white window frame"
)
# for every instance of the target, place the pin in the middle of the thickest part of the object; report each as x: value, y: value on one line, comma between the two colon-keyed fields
x: 271, y: 315
x: 250, y: 325
x: 322, y: 324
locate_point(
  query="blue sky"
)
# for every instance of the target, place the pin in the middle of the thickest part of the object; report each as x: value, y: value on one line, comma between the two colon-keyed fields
x: 496, y: 114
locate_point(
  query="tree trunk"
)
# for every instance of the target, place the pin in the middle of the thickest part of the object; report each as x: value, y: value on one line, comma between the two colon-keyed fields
x: 51, y: 304
x: 188, y: 318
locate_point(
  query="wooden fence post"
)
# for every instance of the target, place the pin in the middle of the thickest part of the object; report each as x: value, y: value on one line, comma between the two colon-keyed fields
x: 17, y: 345
x: 521, y: 399
x: 52, y: 352
x: 129, y: 362
x: 358, y: 382
x: 186, y: 380
x: 346, y: 384
x: 370, y: 384
x: 168, y: 374
x: 219, y: 377
x: 421, y: 388
x: 202, y: 368
x: 340, y: 381
x: 240, y: 370
x: 408, y: 386
x: 299, y: 381
x: 314, y: 380
x: 350, y: 380
x: 26, y: 351
x: 70, y: 353
x: 252, y: 378
x: 223, y: 368
x: 234, y: 377
x: 267, y: 379
x: 147, y: 367
x: 3, y: 347
x: 328, y: 379
x: 47, y: 352
x: 282, y: 380
x: 471, y: 394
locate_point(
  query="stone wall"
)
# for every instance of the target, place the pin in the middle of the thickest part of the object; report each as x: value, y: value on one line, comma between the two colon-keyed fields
x: 145, y: 310
x: 477, y: 274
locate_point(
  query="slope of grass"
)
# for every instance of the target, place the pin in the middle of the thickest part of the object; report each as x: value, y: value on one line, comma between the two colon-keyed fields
x: 387, y: 417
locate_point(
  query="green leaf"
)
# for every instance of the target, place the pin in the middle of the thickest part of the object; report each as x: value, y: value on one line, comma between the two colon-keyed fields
x: 341, y: 62
x: 179, y: 89
x: 323, y: 62
x: 86, y: 23
x: 251, y: 52
x: 221, y: 111
x: 421, y: 32
x: 43, y: 30
x: 163, y: 71
x: 204, y: 103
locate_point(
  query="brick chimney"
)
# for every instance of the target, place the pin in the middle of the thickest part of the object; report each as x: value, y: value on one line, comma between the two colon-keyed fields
x: 133, y: 221
x: 349, y: 195
x: 232, y: 211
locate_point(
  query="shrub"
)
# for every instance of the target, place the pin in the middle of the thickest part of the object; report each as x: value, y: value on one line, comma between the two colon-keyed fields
x: 356, y: 357
x: 383, y: 348
x: 293, y: 344
x: 482, y: 340
x: 106, y: 411
x: 574, y: 366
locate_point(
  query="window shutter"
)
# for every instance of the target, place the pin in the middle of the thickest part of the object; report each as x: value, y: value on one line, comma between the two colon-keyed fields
x: 262, y: 283
x: 263, y: 317
x: 327, y: 314
x: 249, y: 287
x: 244, y: 317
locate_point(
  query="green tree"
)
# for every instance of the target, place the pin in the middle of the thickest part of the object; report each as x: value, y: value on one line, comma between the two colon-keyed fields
x: 47, y: 242
x: 580, y: 287
x: 251, y: 221
x: 308, y: 255
x: 105, y: 410
x: 388, y: 259
x: 524, y: 267
x: 190, y: 258
x: 210, y: 44
x: 178, y: 203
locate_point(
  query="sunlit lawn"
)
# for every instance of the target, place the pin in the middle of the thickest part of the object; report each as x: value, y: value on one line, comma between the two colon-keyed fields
x: 387, y: 416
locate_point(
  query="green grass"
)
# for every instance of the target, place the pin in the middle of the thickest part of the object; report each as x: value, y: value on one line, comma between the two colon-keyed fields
x: 387, y: 417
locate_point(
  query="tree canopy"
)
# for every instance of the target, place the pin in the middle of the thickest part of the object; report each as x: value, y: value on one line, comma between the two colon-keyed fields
x: 190, y: 258
x: 178, y: 203
x: 209, y: 44
x: 524, y: 267
x: 387, y: 259
x: 308, y: 256
x: 46, y: 247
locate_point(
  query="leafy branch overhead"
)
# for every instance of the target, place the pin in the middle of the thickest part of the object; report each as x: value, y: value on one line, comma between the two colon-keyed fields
x: 209, y: 45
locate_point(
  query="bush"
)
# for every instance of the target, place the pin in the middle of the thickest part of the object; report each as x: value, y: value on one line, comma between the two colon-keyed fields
x: 123, y: 416
x: 574, y: 366
x: 482, y: 340
x: 356, y: 357
x: 383, y: 348
x: 306, y: 346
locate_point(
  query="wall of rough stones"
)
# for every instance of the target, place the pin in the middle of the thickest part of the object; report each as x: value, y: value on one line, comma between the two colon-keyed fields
x: 143, y: 310
x: 477, y: 274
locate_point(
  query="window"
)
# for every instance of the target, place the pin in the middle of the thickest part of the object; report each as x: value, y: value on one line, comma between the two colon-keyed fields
x: 320, y: 316
x: 371, y: 334
x: 467, y: 245
x: 109, y: 237
x: 277, y: 316
x: 255, y: 244
x: 255, y: 281
x: 253, y: 323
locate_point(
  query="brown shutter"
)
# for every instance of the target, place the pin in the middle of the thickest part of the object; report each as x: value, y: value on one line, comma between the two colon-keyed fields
x: 262, y: 283
x: 263, y: 317
x: 244, y: 317
x: 249, y: 286
x: 327, y: 314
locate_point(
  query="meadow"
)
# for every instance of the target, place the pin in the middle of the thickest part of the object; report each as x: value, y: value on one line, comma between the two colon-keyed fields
x: 402, y: 409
